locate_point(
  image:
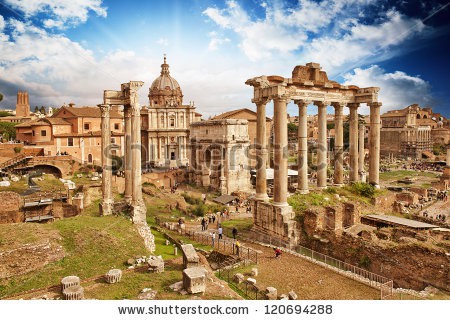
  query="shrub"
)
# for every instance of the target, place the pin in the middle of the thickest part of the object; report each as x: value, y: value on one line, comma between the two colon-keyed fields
x: 363, y: 189
x: 191, y: 199
x: 17, y: 149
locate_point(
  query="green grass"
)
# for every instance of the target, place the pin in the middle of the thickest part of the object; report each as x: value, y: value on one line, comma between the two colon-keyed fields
x: 242, y: 225
x: 402, y: 174
x: 93, y: 245
x: 301, y: 202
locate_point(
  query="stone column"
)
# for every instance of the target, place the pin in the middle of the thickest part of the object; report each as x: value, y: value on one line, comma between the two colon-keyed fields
x: 280, y: 183
x: 338, y: 144
x: 353, y: 141
x: 127, y: 158
x: 137, y: 202
x: 361, y: 156
x: 322, y: 145
x: 302, y: 186
x: 107, y: 200
x: 374, y: 144
x: 261, y: 149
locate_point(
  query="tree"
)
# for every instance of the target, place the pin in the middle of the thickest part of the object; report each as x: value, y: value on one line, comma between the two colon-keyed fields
x: 292, y: 127
x: 42, y: 110
x: 5, y: 113
x: 36, y: 109
x: 1, y: 96
x: 7, y: 130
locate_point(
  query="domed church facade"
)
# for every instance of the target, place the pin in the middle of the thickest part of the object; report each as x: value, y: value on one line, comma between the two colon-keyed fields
x: 166, y: 123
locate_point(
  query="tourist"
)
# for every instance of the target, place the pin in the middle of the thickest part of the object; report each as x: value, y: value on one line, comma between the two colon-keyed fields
x: 234, y: 232
x: 213, y: 238
x: 277, y: 252
x: 220, y: 231
x: 238, y: 246
x: 203, y: 224
x: 214, y: 218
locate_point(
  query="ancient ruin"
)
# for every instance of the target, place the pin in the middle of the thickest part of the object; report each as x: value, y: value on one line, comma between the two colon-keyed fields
x: 127, y: 97
x: 308, y: 85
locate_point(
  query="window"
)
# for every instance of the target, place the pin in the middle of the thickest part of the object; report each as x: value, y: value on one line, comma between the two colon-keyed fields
x: 206, y: 131
x: 90, y: 158
x: 70, y: 141
x: 162, y: 120
x: 86, y: 126
x: 32, y: 133
x: 43, y: 133
x: 113, y: 140
x: 172, y: 122
x: 116, y: 126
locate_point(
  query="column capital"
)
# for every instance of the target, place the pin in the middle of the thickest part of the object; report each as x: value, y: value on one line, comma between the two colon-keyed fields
x: 321, y: 103
x: 301, y: 102
x: 375, y: 104
x: 280, y: 97
x: 261, y: 101
x: 353, y: 105
x: 104, y: 109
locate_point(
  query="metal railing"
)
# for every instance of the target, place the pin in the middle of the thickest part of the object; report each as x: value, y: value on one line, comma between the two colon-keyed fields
x: 384, y: 284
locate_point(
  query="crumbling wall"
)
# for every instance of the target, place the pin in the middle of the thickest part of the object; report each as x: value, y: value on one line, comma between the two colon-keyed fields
x: 10, y: 207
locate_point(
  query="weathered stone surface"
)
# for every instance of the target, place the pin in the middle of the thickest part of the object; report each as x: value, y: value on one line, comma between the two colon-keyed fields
x: 284, y: 297
x: 292, y: 295
x: 147, y: 294
x: 177, y: 286
x: 251, y: 281
x: 69, y: 281
x: 113, y: 276
x: 271, y: 293
x: 155, y: 264
x: 73, y: 293
x: 194, y: 280
x: 238, y: 278
x: 254, y: 272
x: 190, y: 256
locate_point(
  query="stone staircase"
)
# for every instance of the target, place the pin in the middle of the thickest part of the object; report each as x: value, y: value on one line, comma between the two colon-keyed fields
x: 12, y: 163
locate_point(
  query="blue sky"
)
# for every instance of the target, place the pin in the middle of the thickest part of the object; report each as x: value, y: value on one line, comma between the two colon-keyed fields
x: 65, y: 51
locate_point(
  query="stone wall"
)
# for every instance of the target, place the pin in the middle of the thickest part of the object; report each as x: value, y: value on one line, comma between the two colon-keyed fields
x: 403, y: 257
x: 10, y: 207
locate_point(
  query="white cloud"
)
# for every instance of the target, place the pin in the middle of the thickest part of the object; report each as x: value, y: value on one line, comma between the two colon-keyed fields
x: 163, y: 42
x: 398, y: 89
x: 2, y: 23
x: 59, y: 70
x: 328, y: 32
x: 216, y: 41
x: 64, y: 12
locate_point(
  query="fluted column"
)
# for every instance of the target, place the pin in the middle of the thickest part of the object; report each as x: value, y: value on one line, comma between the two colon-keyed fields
x: 353, y: 141
x: 137, y: 202
x: 338, y: 144
x: 107, y: 200
x: 322, y: 145
x: 302, y: 186
x: 261, y: 149
x: 127, y: 158
x: 280, y: 152
x: 374, y: 144
x: 361, y: 156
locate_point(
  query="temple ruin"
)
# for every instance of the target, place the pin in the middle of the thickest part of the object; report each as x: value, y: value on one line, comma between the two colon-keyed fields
x: 127, y: 97
x: 308, y: 85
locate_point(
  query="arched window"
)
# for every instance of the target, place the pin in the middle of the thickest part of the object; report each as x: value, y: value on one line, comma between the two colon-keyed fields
x: 418, y: 116
x: 90, y: 158
x: 425, y: 116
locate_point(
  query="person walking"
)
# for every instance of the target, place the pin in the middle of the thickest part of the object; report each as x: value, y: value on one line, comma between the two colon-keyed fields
x: 220, y: 231
x: 213, y: 238
x: 277, y: 252
x: 234, y: 232
x: 238, y: 247
x: 203, y: 224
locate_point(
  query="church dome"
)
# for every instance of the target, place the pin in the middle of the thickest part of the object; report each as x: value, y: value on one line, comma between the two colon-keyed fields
x: 165, y: 90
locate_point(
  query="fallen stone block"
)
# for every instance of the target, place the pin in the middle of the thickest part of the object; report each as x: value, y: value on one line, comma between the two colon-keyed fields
x: 271, y: 293
x: 292, y: 295
x: 69, y: 281
x: 238, y: 278
x: 251, y: 281
x: 155, y: 264
x: 73, y: 293
x: 113, y: 276
x: 254, y: 272
x: 194, y: 280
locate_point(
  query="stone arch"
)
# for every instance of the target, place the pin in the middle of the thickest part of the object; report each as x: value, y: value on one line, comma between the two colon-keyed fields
x: 49, y: 169
x: 418, y: 116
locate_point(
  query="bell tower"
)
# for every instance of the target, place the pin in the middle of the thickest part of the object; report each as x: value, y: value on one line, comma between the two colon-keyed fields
x: 22, y: 105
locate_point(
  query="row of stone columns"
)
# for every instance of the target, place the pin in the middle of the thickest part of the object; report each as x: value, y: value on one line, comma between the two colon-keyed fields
x: 356, y: 151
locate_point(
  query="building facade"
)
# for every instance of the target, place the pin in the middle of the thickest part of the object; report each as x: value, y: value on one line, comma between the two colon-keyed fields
x: 219, y: 157
x: 407, y: 132
x: 75, y: 131
x: 166, y: 122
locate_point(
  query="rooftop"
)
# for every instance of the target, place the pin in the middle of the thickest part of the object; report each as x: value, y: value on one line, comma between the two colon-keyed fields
x: 397, y: 221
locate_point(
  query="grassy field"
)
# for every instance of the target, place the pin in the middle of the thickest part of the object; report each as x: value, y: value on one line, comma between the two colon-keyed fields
x: 93, y: 245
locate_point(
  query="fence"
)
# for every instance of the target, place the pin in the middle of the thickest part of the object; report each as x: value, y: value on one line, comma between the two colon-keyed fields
x: 245, y: 289
x: 385, y: 285
x: 225, y: 245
